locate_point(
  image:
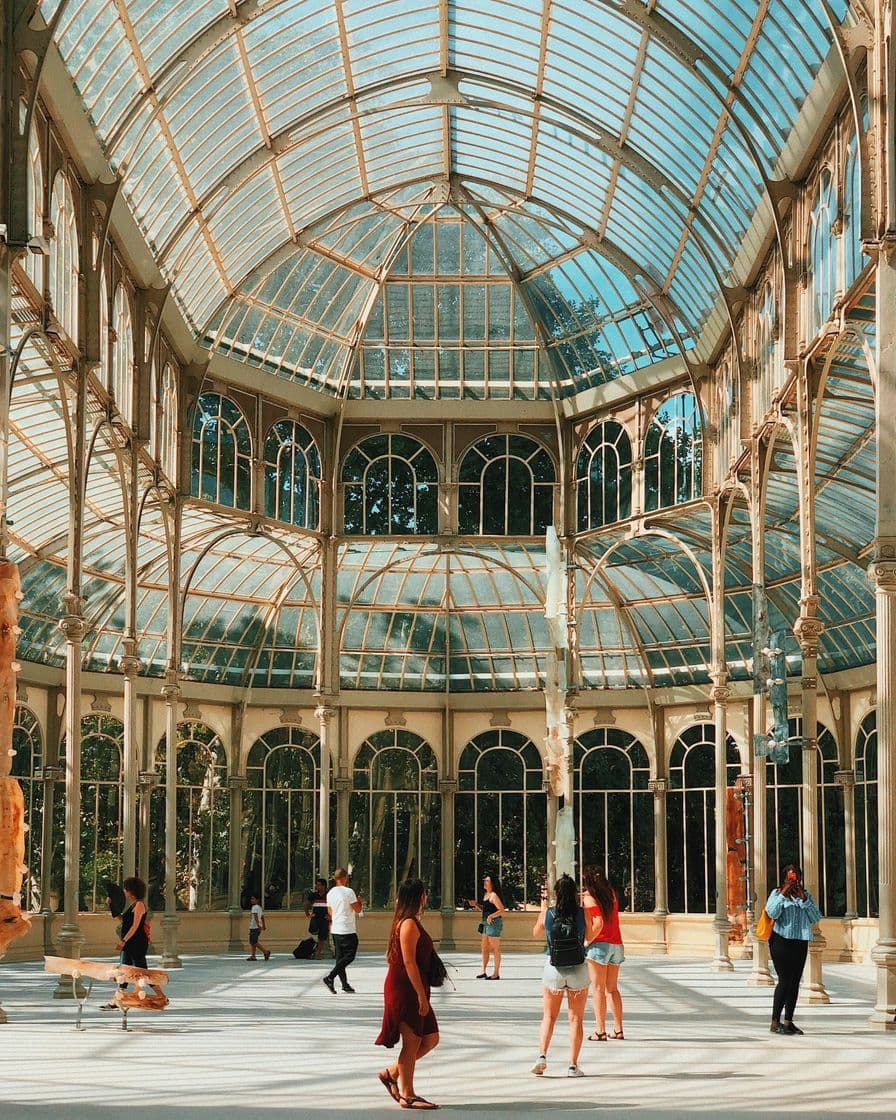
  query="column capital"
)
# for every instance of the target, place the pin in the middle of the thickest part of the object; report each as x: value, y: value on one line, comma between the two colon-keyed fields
x: 745, y: 781
x: 447, y: 785
x: 324, y: 712
x: 808, y: 629
x: 846, y: 779
x: 720, y: 694
x: 130, y: 665
x: 342, y: 785
x: 49, y: 773
x: 882, y: 573
x: 171, y: 693
x: 73, y: 627
x: 147, y: 779
x: 237, y: 782
x: 659, y: 787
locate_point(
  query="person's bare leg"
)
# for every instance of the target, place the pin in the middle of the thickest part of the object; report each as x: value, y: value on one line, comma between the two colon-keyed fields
x: 576, y: 1002
x: 407, y: 1060
x: 552, y: 1001
x: 612, y: 990
x: 599, y: 983
x: 484, y: 953
x: 496, y: 954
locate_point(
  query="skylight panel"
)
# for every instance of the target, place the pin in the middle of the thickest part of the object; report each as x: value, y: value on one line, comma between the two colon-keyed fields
x: 405, y: 143
x: 495, y: 37
x: 164, y: 28
x: 389, y: 39
x: 491, y: 144
x: 248, y: 226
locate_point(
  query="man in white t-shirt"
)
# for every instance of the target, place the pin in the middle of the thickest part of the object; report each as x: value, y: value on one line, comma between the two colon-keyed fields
x: 343, y: 904
x: 256, y: 925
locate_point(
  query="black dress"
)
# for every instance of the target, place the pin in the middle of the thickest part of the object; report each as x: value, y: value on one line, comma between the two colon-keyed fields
x: 134, y: 951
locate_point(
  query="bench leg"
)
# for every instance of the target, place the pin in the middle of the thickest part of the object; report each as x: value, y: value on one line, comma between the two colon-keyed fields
x: 80, y: 1002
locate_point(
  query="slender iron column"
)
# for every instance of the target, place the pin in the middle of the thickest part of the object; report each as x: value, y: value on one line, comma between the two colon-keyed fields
x: 721, y: 925
x: 171, y: 922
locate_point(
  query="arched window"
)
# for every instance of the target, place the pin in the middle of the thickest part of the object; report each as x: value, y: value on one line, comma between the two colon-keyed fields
x: 506, y: 487
x: 614, y: 813
x: 122, y: 352
x: 822, y: 254
x: 222, y: 453
x: 292, y: 475
x: 766, y: 353
x: 784, y: 823
x: 690, y: 818
x: 27, y: 742
x: 867, y: 865
x: 105, y: 371
x: 102, y: 744
x: 34, y: 262
x: 390, y: 485
x: 395, y: 817
x: 604, y: 476
x: 852, y: 213
x: 64, y: 266
x: 281, y: 812
x: 501, y: 818
x: 166, y: 423
x: 729, y: 418
x: 673, y: 453
x: 203, y: 822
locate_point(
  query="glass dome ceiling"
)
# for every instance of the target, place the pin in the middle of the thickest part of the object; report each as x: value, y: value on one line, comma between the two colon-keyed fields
x: 609, y: 160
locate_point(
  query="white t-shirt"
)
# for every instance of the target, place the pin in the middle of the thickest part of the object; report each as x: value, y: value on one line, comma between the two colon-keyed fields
x: 340, y: 900
x: 256, y: 915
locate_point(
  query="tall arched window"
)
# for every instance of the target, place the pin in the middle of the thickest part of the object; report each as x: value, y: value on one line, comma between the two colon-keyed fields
x: 867, y: 862
x: 729, y: 418
x: 166, y: 423
x: 822, y: 253
x: 690, y: 818
x: 222, y: 453
x: 105, y: 370
x: 766, y: 353
x: 292, y: 475
x: 673, y: 453
x: 281, y: 809
x: 604, y: 476
x: 395, y: 817
x: 203, y: 821
x: 34, y: 262
x: 852, y: 213
x: 27, y: 742
x: 390, y: 485
x: 506, y: 488
x: 102, y: 744
x: 122, y: 353
x: 614, y: 813
x: 501, y: 818
x: 784, y: 825
x: 64, y: 266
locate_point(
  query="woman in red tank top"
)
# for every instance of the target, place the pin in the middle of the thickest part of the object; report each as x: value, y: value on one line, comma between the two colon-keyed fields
x: 407, y: 1014
x: 604, y: 952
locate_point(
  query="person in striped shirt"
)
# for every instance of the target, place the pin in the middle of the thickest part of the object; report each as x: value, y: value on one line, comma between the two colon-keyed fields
x: 794, y: 912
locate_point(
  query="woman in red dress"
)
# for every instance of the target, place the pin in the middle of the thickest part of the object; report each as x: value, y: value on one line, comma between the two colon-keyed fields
x: 407, y: 1014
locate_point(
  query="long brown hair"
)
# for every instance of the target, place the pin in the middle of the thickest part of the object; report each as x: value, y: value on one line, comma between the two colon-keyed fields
x: 598, y: 886
x: 407, y: 905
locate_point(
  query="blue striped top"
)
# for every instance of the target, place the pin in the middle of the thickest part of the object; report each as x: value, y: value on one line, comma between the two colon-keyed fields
x: 793, y: 917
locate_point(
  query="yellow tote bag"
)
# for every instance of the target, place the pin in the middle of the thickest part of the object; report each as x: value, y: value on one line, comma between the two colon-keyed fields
x: 764, y: 926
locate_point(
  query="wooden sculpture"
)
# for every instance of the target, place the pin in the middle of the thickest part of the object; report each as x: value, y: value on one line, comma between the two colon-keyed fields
x: 139, y: 999
x: 13, y: 923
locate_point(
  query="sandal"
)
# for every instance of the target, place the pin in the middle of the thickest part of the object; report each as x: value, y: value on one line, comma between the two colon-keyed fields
x: 390, y: 1084
x: 597, y: 1036
x: 420, y: 1103
x: 619, y: 1035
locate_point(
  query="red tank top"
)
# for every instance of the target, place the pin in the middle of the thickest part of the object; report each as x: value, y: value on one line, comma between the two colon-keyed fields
x: 610, y: 931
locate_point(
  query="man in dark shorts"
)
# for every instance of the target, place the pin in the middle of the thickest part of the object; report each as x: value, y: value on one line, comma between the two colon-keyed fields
x: 316, y: 909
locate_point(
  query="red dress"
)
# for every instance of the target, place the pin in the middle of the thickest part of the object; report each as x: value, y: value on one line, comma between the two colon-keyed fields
x: 400, y: 999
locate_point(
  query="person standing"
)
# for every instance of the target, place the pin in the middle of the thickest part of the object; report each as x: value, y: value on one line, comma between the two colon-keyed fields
x: 563, y: 926
x: 794, y: 912
x: 342, y: 907
x: 491, y: 927
x: 316, y: 909
x: 133, y: 940
x: 408, y: 1016
x: 257, y: 925
x: 604, y: 953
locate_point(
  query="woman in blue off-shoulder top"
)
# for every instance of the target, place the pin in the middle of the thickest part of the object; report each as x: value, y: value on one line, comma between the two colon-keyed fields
x: 794, y: 912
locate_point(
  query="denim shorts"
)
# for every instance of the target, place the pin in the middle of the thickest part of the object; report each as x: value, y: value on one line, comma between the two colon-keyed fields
x: 495, y: 928
x: 572, y: 978
x: 254, y: 935
x: 604, y: 952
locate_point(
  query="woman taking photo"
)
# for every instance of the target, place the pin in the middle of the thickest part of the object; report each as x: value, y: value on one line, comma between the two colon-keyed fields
x: 491, y: 927
x: 407, y: 1014
x: 563, y: 925
x: 794, y: 913
x: 604, y: 953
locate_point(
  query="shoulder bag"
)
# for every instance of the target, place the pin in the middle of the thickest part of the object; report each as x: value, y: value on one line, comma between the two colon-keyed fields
x: 764, y: 926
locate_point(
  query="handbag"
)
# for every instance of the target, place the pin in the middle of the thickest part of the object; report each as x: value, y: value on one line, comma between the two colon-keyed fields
x: 764, y: 926
x: 438, y: 973
x: 481, y: 927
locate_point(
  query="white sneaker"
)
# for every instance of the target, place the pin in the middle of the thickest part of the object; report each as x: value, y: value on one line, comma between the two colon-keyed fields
x: 575, y: 1071
x: 540, y: 1066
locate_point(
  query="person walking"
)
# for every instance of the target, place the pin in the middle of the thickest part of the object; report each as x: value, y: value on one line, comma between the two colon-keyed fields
x: 491, y: 927
x: 316, y: 909
x: 408, y: 1016
x: 342, y: 906
x: 604, y: 951
x: 133, y: 941
x: 794, y: 912
x: 563, y: 926
x: 257, y: 925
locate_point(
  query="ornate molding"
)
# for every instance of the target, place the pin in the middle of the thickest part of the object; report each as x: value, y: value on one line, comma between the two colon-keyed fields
x: 447, y: 785
x: 808, y: 629
x: 171, y: 693
x: 290, y: 715
x: 720, y: 694
x: 324, y: 713
x: 100, y: 703
x: 395, y: 718
x: 342, y: 785
x: 846, y: 779
x: 499, y: 719
x: 882, y: 573
x: 659, y: 787
x: 237, y: 782
x: 73, y: 627
x: 130, y: 665
x: 192, y: 710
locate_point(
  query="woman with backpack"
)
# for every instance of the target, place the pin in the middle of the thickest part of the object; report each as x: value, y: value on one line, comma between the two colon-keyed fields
x: 565, y: 971
x: 605, y: 952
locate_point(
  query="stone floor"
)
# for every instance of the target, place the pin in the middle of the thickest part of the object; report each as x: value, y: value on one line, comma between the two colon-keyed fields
x: 262, y: 1040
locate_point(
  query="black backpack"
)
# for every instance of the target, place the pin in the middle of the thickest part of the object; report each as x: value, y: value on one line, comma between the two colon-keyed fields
x: 566, y: 946
x: 304, y: 951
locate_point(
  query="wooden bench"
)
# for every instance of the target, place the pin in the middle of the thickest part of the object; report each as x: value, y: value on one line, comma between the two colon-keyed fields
x: 141, y: 978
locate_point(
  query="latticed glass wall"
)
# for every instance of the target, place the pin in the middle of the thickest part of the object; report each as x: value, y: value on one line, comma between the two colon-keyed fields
x: 867, y: 857
x: 395, y: 817
x: 281, y: 818
x: 292, y: 475
x: 222, y: 452
x: 614, y: 813
x: 673, y: 453
x: 604, y: 476
x: 102, y: 744
x: 27, y: 743
x: 390, y: 485
x: 506, y: 487
x: 501, y: 818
